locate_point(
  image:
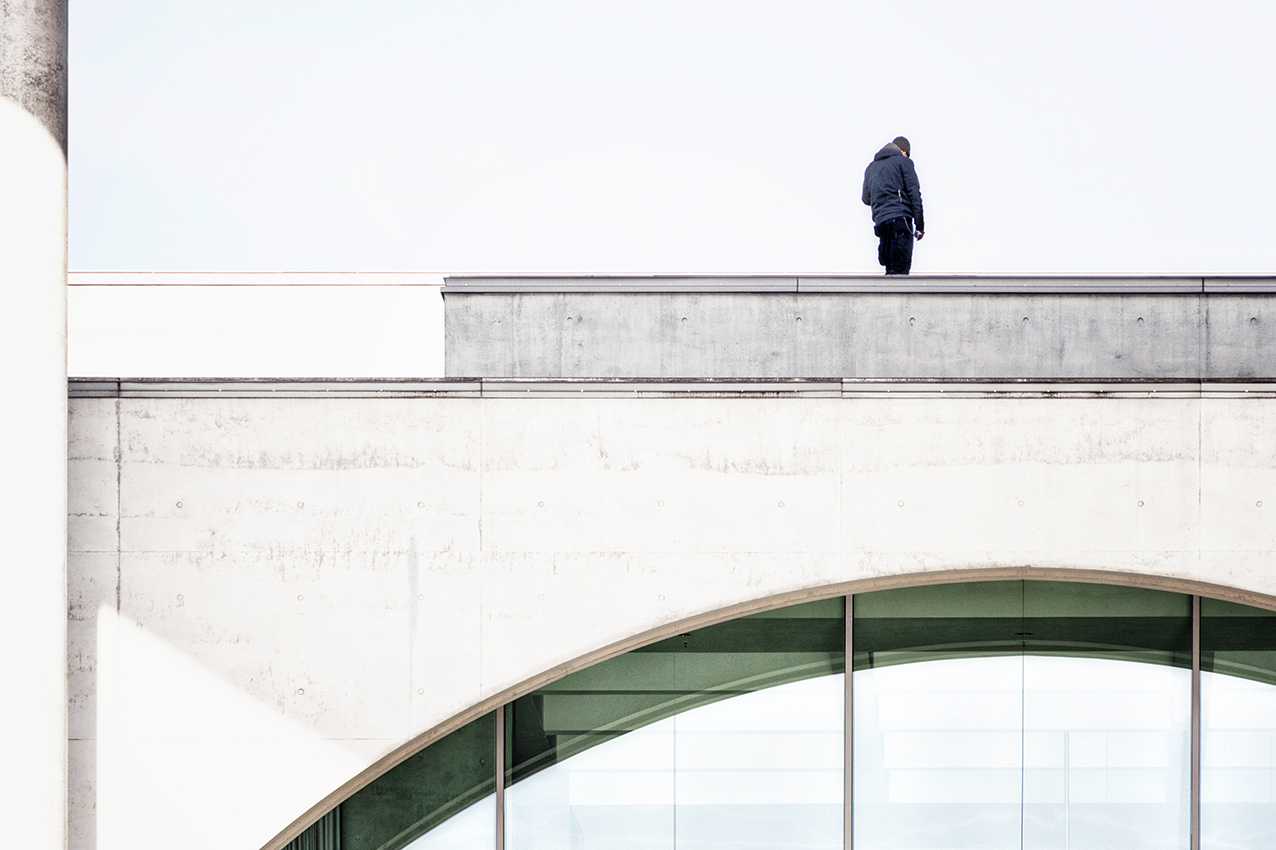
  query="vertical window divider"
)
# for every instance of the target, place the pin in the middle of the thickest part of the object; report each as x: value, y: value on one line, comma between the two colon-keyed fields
x: 848, y: 739
x: 499, y: 761
x: 1195, y: 815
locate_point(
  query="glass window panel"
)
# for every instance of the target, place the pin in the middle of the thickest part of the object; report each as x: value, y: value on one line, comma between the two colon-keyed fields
x: 762, y: 770
x: 938, y: 754
x: 455, y: 775
x: 616, y: 795
x: 1021, y: 714
x: 731, y: 730
x: 1106, y: 759
x: 1238, y: 726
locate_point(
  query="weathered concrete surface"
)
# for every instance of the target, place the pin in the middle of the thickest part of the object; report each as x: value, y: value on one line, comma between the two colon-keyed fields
x: 1047, y: 332
x: 267, y: 595
x: 33, y: 61
x: 33, y: 498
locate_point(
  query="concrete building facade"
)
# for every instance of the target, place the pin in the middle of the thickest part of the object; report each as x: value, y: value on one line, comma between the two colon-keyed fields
x: 279, y: 590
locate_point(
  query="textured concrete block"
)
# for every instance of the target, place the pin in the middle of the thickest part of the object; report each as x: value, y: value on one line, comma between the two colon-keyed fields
x: 1044, y: 329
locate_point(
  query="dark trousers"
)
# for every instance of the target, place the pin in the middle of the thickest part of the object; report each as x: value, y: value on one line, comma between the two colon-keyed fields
x: 895, y: 245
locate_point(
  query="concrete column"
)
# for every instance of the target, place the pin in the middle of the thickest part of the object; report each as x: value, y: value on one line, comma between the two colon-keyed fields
x: 33, y: 411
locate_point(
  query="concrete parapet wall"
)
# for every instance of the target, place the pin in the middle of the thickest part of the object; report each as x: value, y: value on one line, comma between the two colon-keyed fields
x: 925, y: 328
x: 270, y: 595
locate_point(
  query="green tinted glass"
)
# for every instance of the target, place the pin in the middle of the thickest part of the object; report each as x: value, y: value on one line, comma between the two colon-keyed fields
x: 675, y: 675
x: 979, y: 619
x: 422, y: 792
x: 1238, y: 640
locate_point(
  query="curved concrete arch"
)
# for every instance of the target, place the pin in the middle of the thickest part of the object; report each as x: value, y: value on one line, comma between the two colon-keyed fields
x: 429, y: 736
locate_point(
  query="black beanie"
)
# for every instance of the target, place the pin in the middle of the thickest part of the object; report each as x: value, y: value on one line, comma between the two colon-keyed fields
x: 902, y: 143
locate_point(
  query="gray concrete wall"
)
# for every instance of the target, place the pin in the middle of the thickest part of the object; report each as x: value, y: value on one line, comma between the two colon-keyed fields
x: 33, y: 416
x: 968, y: 328
x: 272, y: 595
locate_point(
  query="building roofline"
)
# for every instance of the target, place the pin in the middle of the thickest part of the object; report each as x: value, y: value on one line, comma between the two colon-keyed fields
x: 1029, y: 284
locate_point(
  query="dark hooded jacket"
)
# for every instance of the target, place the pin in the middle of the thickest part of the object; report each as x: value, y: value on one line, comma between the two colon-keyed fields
x: 891, y: 187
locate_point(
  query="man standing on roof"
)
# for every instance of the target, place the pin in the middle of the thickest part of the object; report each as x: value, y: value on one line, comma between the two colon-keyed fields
x: 892, y: 190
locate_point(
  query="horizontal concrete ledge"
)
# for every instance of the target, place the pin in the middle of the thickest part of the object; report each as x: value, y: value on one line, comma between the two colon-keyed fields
x: 1042, y: 284
x: 653, y: 388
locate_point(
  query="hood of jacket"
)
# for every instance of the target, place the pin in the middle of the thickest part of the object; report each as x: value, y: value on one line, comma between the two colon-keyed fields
x: 890, y: 150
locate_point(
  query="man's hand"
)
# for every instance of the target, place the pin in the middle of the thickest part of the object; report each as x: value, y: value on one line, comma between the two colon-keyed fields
x: 920, y: 234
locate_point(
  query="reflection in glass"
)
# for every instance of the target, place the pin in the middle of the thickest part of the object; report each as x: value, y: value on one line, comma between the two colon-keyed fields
x: 614, y: 796
x: 1238, y: 727
x: 1107, y: 759
x: 1032, y: 752
x: 1009, y: 714
x: 730, y: 734
x: 938, y: 754
x: 761, y: 769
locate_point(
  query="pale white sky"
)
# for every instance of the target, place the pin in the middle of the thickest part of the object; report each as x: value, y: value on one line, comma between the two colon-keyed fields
x: 668, y: 136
